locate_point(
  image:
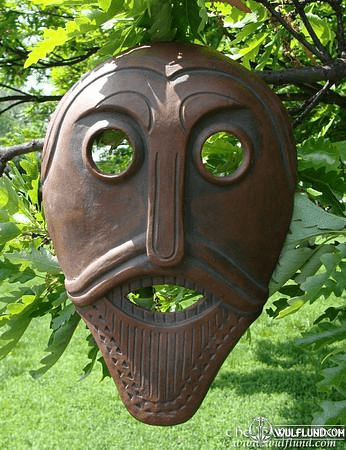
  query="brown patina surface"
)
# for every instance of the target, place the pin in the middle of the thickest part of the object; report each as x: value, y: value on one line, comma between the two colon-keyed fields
x: 166, y: 219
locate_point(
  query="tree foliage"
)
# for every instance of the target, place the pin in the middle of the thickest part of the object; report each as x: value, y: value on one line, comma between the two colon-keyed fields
x: 297, y: 47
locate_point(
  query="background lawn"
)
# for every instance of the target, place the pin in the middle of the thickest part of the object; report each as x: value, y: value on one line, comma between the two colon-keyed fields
x: 264, y: 376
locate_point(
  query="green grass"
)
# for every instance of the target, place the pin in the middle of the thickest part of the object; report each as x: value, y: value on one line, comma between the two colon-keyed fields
x: 266, y: 376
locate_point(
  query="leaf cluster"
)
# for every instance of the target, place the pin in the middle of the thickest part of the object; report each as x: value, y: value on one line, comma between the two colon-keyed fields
x: 164, y: 298
x: 31, y: 281
x: 123, y: 23
x: 329, y: 331
x: 312, y: 267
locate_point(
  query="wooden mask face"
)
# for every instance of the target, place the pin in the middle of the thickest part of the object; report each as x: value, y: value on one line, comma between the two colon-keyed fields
x: 165, y: 218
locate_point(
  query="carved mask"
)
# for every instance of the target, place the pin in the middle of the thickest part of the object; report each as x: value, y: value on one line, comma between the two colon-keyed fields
x: 165, y: 218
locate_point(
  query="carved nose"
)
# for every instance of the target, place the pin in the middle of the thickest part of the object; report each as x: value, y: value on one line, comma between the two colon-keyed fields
x: 165, y: 238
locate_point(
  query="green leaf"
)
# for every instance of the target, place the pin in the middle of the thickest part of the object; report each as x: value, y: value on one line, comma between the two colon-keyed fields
x: 312, y: 285
x: 31, y: 178
x: 332, y: 313
x: 266, y: 57
x: 8, y: 231
x: 63, y: 316
x: 41, y: 260
x: 250, y: 51
x: 16, y: 327
x: 334, y: 413
x: 9, y: 199
x: 161, y: 15
x: 17, y: 308
x: 308, y: 222
x: 321, y: 27
x: 92, y: 356
x: 294, y: 305
x: 48, y: 2
x: 105, y: 4
x: 58, y: 342
x: 248, y: 30
x: 105, y: 370
x: 334, y: 377
x: 10, y: 272
x: 325, y: 333
x: 318, y: 153
x: 203, y: 14
x: 313, y: 263
x: 51, y: 39
x: 341, y: 148
x: 10, y: 293
x: 4, y: 217
x: 320, y: 168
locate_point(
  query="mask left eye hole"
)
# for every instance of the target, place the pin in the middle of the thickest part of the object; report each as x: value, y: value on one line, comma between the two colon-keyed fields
x: 222, y: 154
x: 111, y: 151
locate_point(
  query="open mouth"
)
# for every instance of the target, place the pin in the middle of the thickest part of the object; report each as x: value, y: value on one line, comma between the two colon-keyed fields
x: 171, y: 299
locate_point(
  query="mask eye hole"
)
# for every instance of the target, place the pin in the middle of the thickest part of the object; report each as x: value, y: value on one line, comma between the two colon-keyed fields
x: 111, y: 152
x: 112, y: 148
x: 222, y: 154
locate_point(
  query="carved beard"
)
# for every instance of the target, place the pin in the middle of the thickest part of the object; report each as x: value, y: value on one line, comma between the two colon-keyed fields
x: 165, y: 219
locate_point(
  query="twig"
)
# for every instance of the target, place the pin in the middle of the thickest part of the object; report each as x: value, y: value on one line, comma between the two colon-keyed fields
x: 50, y: 63
x: 7, y: 154
x: 10, y: 107
x: 312, y: 103
x: 5, y: 86
x: 237, y: 4
x: 300, y: 38
x: 300, y: 9
x: 331, y: 98
x: 42, y: 12
x: 67, y: 61
x: 340, y: 31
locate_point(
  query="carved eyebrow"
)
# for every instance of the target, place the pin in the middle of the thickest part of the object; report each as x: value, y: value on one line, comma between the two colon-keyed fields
x: 133, y: 103
x: 196, y: 105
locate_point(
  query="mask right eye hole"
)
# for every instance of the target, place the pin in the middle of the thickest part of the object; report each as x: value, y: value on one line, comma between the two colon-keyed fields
x: 222, y: 154
x: 111, y: 152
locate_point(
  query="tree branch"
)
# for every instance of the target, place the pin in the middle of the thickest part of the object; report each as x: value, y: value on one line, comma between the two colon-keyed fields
x: 26, y: 98
x: 7, y: 154
x: 334, y: 72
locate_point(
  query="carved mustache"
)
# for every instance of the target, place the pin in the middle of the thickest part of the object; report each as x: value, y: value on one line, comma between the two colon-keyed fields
x: 128, y: 264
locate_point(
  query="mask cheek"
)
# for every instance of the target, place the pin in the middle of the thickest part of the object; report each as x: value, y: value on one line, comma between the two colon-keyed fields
x: 92, y: 223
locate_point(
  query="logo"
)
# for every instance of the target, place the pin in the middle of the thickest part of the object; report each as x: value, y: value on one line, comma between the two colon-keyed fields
x: 260, y: 430
x: 262, y: 434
